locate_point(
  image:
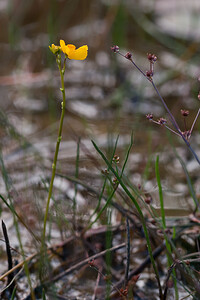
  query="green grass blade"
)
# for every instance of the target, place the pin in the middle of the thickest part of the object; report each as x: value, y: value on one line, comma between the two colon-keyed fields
x: 168, y: 246
x: 103, y: 208
x: 75, y: 185
x: 126, y: 190
x: 99, y: 200
x: 160, y: 192
x: 102, y: 191
x: 43, y: 295
x: 127, y: 155
x: 13, y: 293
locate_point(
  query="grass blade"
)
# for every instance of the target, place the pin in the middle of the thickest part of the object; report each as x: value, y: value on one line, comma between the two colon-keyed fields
x: 168, y: 246
x: 126, y: 190
x: 160, y: 192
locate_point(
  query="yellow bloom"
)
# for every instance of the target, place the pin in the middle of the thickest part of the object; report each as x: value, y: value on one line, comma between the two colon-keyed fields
x: 73, y: 53
x: 54, y: 49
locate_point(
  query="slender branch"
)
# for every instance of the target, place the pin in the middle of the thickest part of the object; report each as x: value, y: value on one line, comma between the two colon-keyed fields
x: 166, y: 107
x: 158, y: 123
x: 149, y: 78
x: 194, y: 121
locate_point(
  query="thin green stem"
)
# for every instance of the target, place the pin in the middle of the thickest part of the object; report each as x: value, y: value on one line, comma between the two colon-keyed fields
x: 160, y: 192
x: 62, y: 71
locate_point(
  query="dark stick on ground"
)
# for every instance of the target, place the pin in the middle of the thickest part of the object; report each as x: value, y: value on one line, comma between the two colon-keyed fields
x: 10, y: 281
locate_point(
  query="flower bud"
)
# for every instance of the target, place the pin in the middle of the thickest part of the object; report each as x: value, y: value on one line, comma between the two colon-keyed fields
x: 128, y: 55
x: 149, y: 74
x: 152, y: 57
x: 149, y: 117
x: 162, y: 121
x: 184, y: 113
x: 115, y: 49
x: 148, y: 199
x: 54, y: 49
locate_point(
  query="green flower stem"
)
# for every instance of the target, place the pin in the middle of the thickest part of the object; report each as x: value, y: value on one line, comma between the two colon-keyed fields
x: 62, y: 71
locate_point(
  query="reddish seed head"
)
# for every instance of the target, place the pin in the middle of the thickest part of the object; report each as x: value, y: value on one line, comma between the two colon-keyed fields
x: 162, y: 121
x: 116, y: 159
x: 152, y: 57
x: 105, y: 172
x: 115, y: 181
x: 115, y: 48
x: 184, y: 113
x: 91, y: 263
x: 124, y: 292
x: 128, y: 55
x: 149, y: 117
x: 148, y: 199
x: 149, y: 74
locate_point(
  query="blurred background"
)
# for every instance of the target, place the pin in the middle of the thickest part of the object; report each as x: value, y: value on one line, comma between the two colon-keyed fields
x: 106, y: 96
x: 104, y: 83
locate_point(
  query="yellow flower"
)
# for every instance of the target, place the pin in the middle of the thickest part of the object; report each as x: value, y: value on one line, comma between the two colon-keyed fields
x: 73, y: 53
x: 54, y: 49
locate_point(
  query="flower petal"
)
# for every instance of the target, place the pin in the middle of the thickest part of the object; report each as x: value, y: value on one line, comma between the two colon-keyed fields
x: 79, y: 54
x: 69, y: 49
x: 73, y: 53
x: 62, y: 45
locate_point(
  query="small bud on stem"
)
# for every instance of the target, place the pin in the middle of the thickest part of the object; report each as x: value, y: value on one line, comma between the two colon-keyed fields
x: 162, y: 121
x: 115, y: 49
x: 128, y: 55
x: 184, y: 113
x: 152, y: 57
x: 149, y: 117
x: 149, y: 74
